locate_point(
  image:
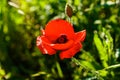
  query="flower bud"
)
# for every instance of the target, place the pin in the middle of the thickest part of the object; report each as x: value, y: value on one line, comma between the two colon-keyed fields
x: 68, y: 10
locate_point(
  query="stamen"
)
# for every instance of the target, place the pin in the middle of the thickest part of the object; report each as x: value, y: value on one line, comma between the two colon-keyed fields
x: 62, y: 39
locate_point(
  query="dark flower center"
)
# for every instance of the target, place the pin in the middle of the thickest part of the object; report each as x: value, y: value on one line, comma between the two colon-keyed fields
x: 62, y: 39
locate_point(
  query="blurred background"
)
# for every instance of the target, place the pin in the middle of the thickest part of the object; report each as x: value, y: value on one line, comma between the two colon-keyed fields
x: 20, y: 22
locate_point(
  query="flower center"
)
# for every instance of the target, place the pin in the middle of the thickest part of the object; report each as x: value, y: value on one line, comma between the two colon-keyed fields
x: 62, y: 39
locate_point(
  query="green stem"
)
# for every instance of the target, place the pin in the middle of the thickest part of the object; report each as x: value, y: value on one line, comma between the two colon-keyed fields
x: 112, y: 66
x: 96, y: 73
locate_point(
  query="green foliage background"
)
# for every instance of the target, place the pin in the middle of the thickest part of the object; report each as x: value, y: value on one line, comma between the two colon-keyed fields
x: 20, y: 22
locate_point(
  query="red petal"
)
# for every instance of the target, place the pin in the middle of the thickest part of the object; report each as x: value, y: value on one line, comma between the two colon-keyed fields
x: 49, y: 50
x: 71, y: 52
x: 45, y: 49
x: 57, y: 27
x: 62, y: 46
x: 58, y: 46
x: 80, y: 36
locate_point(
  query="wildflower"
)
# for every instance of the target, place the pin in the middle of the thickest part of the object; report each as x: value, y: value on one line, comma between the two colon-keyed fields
x: 59, y: 35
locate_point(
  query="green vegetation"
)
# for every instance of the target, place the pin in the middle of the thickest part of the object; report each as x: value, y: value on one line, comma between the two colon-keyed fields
x: 20, y: 23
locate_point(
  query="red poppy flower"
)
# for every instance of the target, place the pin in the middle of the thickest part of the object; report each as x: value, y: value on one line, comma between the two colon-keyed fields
x: 59, y: 35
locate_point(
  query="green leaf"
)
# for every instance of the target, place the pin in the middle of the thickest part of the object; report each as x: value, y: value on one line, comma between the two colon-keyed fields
x: 59, y: 70
x: 101, y: 50
x: 87, y: 64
